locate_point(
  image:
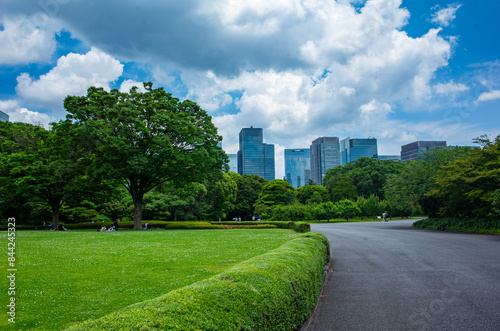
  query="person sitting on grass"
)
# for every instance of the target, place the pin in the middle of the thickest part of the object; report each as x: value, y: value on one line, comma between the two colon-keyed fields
x: 146, y: 227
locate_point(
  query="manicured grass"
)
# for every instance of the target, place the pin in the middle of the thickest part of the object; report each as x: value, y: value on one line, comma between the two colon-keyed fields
x: 69, y: 277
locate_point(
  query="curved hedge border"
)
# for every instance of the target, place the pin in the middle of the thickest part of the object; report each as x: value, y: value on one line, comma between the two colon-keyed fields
x: 460, y: 224
x: 273, y: 291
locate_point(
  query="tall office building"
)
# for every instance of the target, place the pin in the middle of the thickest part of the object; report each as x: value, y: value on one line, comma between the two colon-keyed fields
x: 297, y: 166
x: 325, y: 155
x: 414, y: 150
x: 255, y: 157
x: 3, y: 117
x: 233, y: 162
x: 353, y: 149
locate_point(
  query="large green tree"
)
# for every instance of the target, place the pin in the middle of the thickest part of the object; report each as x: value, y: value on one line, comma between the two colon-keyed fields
x: 368, y: 175
x: 249, y: 189
x: 51, y: 167
x: 408, y: 189
x: 276, y: 192
x: 312, y: 194
x: 146, y: 139
x: 468, y: 187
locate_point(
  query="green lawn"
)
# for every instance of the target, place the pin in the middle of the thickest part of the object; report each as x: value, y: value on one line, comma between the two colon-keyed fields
x: 68, y: 277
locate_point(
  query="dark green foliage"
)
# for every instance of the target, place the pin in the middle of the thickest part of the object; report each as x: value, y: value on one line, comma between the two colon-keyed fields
x: 469, y: 187
x: 346, y: 209
x: 407, y: 191
x: 295, y: 212
x: 460, y: 224
x: 312, y: 194
x: 368, y: 175
x: 341, y: 187
x: 371, y: 206
x: 276, y: 192
x: 274, y: 291
x: 249, y: 188
x: 48, y: 167
x: 324, y: 211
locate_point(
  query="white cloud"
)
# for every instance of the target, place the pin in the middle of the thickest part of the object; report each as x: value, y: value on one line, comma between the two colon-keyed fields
x: 127, y: 84
x: 450, y: 88
x: 24, y: 42
x: 73, y: 75
x: 20, y: 114
x: 488, y: 96
x: 444, y: 17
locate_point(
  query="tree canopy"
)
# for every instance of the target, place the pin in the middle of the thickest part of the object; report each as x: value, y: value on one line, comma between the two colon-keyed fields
x: 146, y: 139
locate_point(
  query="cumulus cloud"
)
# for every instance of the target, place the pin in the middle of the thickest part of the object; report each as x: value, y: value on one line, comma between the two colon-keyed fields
x: 444, y: 16
x: 488, y: 96
x: 24, y: 42
x: 127, y: 84
x: 73, y: 75
x: 450, y: 88
x: 20, y: 114
x: 300, y: 69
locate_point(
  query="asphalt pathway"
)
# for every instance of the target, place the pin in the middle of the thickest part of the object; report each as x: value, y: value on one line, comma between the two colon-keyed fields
x: 388, y: 276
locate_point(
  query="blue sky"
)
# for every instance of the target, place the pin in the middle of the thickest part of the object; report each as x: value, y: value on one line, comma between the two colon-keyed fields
x: 396, y: 70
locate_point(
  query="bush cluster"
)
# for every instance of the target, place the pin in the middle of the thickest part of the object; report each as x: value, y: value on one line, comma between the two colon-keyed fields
x: 458, y: 224
x: 273, y: 291
x: 300, y: 227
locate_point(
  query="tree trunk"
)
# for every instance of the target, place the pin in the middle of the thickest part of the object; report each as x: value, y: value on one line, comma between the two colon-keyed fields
x: 138, y: 212
x: 55, y: 217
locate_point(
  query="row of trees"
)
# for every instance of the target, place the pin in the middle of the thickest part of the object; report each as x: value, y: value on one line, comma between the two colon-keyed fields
x: 110, y: 142
x: 149, y: 156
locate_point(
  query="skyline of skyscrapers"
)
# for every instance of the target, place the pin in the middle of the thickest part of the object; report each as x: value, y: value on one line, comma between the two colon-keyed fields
x: 254, y: 156
x: 297, y: 166
x: 325, y: 155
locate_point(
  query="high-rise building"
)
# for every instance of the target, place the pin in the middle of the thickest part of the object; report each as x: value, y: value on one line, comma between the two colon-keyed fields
x: 297, y: 166
x: 3, y: 117
x: 325, y: 155
x: 255, y: 157
x: 353, y: 149
x: 390, y: 157
x: 233, y: 162
x: 414, y: 150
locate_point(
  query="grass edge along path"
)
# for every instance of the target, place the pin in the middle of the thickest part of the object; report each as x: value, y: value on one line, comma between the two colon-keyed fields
x: 273, y: 291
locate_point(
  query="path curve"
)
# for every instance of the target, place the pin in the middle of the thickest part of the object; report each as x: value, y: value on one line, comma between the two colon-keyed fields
x: 388, y: 276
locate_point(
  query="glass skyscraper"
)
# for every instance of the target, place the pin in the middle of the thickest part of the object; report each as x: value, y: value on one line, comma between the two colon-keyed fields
x: 353, y: 149
x: 233, y: 162
x: 414, y: 150
x: 297, y: 166
x: 3, y: 117
x: 255, y: 157
x: 325, y: 155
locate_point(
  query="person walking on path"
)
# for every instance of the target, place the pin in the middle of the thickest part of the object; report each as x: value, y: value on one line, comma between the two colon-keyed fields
x: 384, y: 216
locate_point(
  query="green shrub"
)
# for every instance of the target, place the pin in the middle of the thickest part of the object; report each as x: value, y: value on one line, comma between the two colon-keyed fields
x: 458, y: 224
x: 273, y: 291
x: 297, y: 226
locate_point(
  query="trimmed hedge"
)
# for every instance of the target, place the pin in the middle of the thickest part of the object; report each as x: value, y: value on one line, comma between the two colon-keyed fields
x: 300, y: 227
x: 273, y: 291
x: 459, y: 224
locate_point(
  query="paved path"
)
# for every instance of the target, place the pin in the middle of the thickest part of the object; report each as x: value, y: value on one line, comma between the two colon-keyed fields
x: 387, y: 276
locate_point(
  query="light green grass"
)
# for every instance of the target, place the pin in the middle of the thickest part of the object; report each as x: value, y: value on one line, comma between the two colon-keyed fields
x: 68, y: 277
